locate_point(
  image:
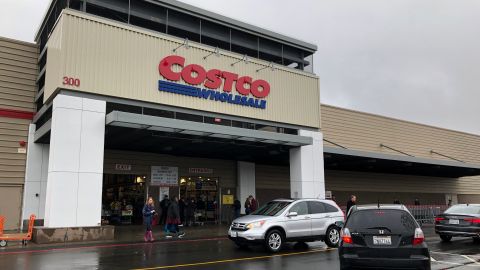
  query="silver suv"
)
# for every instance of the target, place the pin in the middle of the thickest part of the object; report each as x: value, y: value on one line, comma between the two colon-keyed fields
x: 285, y: 220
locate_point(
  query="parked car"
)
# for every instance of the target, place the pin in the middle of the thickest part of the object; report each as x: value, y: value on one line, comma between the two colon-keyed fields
x: 382, y: 236
x: 286, y: 220
x: 461, y: 220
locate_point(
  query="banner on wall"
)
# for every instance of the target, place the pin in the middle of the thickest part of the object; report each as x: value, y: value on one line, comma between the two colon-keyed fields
x: 164, y: 176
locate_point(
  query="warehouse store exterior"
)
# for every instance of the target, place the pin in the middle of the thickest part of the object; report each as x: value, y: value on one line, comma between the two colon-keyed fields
x: 120, y: 100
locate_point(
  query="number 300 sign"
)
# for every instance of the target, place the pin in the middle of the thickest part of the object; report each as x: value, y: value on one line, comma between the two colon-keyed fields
x: 71, y: 81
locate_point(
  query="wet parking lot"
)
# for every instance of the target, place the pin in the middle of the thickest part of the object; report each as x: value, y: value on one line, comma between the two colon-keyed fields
x: 215, y: 253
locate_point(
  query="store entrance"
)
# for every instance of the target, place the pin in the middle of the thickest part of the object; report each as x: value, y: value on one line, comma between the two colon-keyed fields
x: 123, y: 197
x: 204, y: 192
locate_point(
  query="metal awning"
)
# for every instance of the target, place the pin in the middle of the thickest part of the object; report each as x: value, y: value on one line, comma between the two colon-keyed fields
x: 155, y: 123
x: 337, y: 158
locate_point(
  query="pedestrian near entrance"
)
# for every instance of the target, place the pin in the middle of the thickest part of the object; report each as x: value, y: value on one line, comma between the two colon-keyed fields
x: 148, y: 213
x: 173, y: 219
x: 164, y: 207
x: 351, y: 202
x: 250, y: 205
x: 236, y: 209
x: 190, y: 212
x: 181, y: 207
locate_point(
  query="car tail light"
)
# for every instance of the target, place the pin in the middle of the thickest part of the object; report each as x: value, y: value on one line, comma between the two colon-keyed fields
x: 346, y: 236
x: 473, y: 220
x: 419, y: 237
x: 438, y: 219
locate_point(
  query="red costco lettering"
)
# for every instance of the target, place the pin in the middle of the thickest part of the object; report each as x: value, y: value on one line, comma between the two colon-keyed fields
x: 194, y: 74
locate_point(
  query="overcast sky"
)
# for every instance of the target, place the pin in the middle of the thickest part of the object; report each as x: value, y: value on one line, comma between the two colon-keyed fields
x: 417, y: 60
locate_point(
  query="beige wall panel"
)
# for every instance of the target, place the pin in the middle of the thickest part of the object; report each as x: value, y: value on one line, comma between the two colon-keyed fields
x: 7, y: 54
x: 469, y: 198
x: 115, y: 59
x: 19, y: 69
x: 376, y: 182
x: 142, y: 162
x: 363, y: 131
x: 18, y: 45
x: 16, y: 74
x: 272, y: 177
x: 5, y: 61
x: 10, y: 205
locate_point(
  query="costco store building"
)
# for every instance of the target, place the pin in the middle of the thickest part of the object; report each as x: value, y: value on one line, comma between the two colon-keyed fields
x: 120, y: 100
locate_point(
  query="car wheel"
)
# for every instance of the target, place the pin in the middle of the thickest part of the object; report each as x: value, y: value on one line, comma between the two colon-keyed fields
x: 3, y: 243
x: 332, y: 239
x: 446, y: 238
x: 274, y: 240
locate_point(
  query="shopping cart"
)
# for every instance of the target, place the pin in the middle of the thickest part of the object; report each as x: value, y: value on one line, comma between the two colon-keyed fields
x: 24, y: 237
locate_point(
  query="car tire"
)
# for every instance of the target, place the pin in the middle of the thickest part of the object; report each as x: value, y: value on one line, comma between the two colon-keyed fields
x: 3, y: 243
x: 445, y: 238
x: 274, y: 241
x: 332, y: 238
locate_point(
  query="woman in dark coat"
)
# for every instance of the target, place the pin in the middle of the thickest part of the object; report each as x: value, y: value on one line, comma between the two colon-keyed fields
x: 148, y: 212
x: 173, y: 219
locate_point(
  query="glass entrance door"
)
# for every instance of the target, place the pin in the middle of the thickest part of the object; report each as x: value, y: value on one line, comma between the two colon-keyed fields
x: 205, y: 193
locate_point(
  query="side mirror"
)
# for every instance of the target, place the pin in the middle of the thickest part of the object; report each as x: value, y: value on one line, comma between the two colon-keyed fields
x: 292, y: 214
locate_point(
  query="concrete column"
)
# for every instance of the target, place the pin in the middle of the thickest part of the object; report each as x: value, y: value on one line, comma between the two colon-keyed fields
x: 307, y: 178
x: 246, y: 181
x: 35, y: 177
x: 75, y: 168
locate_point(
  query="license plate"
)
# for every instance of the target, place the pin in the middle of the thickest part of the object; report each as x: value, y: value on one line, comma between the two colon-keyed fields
x: 454, y: 221
x: 382, y: 240
x: 233, y: 234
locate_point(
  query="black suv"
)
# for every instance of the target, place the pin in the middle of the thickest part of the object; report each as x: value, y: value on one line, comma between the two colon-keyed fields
x: 382, y: 236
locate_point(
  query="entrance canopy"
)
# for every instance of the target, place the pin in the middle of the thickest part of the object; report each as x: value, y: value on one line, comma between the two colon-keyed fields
x: 146, y: 133
x: 337, y: 158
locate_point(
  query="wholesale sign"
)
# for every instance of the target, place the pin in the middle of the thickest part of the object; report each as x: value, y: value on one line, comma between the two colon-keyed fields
x: 164, y: 176
x: 204, y: 84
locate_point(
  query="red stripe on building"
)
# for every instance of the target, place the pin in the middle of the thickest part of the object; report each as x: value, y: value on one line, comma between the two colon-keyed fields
x: 16, y: 114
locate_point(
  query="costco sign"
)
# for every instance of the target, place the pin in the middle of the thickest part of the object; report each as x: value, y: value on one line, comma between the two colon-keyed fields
x: 213, y: 84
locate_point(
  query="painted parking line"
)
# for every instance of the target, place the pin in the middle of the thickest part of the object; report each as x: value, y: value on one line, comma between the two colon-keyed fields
x: 236, y: 260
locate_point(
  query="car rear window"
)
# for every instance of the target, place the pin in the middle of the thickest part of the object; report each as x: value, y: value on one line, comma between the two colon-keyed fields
x: 394, y: 221
x: 464, y: 209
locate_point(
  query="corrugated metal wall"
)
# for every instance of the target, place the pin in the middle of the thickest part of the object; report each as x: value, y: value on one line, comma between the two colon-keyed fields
x: 363, y: 131
x: 119, y: 60
x: 18, y: 72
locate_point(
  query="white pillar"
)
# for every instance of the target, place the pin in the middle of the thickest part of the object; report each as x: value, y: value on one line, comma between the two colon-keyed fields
x: 35, y: 177
x: 75, y: 169
x: 246, y: 181
x: 307, y: 178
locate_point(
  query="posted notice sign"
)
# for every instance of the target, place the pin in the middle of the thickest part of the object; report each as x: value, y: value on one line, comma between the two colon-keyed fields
x: 164, y: 176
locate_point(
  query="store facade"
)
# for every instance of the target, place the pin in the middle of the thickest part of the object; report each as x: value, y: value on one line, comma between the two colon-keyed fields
x: 128, y: 113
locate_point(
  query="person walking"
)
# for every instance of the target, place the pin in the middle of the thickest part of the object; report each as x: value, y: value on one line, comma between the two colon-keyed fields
x: 247, y: 206
x: 148, y: 213
x: 351, y: 202
x: 173, y: 219
x: 164, y: 207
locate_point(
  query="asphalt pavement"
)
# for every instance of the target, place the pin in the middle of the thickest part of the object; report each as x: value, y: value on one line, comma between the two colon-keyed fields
x: 214, y: 253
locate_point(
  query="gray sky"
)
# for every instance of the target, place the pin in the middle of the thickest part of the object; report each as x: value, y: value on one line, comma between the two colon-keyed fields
x: 416, y: 60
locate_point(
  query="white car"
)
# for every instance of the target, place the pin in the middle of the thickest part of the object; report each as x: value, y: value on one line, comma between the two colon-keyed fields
x: 285, y: 220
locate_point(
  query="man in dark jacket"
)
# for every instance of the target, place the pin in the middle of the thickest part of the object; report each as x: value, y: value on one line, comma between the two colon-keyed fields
x: 164, y: 206
x: 351, y: 202
x: 173, y: 218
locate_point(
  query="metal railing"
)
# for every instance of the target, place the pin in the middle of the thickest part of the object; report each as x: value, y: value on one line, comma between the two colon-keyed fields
x: 425, y: 214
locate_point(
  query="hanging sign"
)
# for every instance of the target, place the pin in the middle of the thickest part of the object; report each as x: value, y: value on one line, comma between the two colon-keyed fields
x: 164, y: 176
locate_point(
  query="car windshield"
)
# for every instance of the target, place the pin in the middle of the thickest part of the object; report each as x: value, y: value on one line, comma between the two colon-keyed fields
x: 464, y: 209
x: 271, y: 209
x: 393, y: 221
